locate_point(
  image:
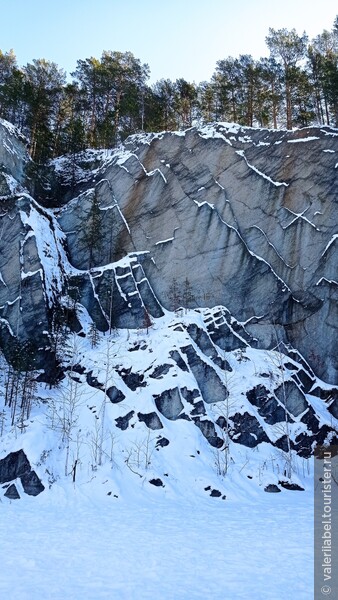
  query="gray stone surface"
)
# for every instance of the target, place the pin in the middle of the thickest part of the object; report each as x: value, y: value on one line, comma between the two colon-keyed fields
x: 267, y: 405
x: 245, y: 429
x: 208, y: 430
x: 13, y: 465
x: 32, y: 484
x: 152, y: 420
x: 212, y: 388
x: 203, y: 341
x: 292, y: 398
x: 169, y: 404
x: 239, y: 217
x: 12, y: 492
x: 247, y: 215
x: 13, y: 151
x: 272, y: 488
x: 123, y: 422
x: 115, y: 395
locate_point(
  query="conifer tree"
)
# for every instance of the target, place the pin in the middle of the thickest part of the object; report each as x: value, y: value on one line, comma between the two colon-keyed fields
x: 93, y: 335
x: 43, y: 81
x: 92, y: 234
x: 11, y: 88
x: 288, y: 48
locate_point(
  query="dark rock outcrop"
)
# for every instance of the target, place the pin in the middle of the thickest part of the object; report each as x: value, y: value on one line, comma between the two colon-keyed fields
x: 246, y: 430
x: 162, y: 442
x: 272, y: 488
x: 12, y: 493
x: 291, y: 486
x: 212, y: 388
x: 151, y: 420
x: 115, y: 395
x: 32, y: 484
x: 157, y: 482
x: 209, y: 432
x: 16, y: 465
x: 169, y: 404
x: 131, y: 379
x: 267, y: 405
x: 292, y: 398
x: 123, y: 422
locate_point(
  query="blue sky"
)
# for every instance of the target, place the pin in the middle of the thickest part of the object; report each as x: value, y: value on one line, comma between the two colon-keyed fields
x: 177, y: 38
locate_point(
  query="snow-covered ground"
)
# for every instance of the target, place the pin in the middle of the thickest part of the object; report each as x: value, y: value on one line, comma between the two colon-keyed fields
x: 112, y: 534
x: 116, y: 533
x: 72, y: 545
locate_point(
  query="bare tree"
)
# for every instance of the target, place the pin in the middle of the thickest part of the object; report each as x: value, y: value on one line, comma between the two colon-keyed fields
x: 140, y: 453
x: 64, y: 409
x: 107, y: 361
x: 277, y: 359
x: 222, y: 411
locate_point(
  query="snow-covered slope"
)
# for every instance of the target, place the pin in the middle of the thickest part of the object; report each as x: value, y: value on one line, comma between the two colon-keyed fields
x: 165, y: 409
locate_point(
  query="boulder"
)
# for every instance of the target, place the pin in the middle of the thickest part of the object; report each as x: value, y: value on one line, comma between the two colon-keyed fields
x: 16, y: 465
x: 292, y: 398
x: 169, y: 404
x: 151, y: 420
x: 12, y: 492
x: 212, y: 388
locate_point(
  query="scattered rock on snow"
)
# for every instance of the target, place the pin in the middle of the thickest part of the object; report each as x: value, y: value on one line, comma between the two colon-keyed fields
x: 16, y: 465
x: 291, y: 486
x: 272, y: 488
x: 151, y: 420
x: 157, y: 482
x: 12, y: 493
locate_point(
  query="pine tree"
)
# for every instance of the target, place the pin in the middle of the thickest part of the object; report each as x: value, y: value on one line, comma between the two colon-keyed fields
x: 186, y: 102
x: 175, y: 295
x: 188, y: 295
x: 20, y: 382
x: 167, y: 98
x: 207, y: 101
x: 43, y: 86
x: 289, y: 48
x: 11, y: 88
x: 270, y: 92
x: 92, y: 234
x: 93, y: 335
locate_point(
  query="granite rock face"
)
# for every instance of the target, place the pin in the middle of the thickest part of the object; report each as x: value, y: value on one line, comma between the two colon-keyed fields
x: 13, y: 158
x: 231, y: 216
x: 240, y: 218
x: 222, y: 242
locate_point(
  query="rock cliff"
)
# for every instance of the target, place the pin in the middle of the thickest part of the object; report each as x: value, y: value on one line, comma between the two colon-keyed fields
x: 248, y: 216
x: 236, y: 225
x: 221, y: 215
